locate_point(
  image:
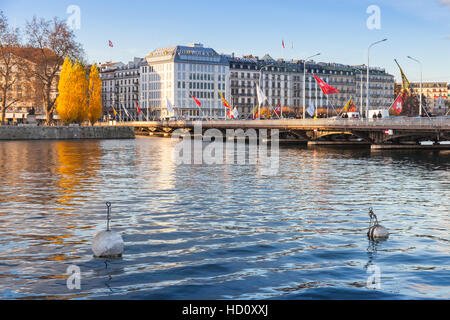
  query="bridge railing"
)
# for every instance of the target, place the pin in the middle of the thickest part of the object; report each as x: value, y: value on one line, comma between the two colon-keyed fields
x: 387, y: 123
x: 383, y: 123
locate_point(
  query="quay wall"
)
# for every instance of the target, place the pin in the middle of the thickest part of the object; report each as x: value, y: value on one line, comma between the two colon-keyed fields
x: 65, y: 133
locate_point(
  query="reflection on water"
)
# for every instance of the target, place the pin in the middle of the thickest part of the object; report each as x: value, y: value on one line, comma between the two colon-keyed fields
x: 221, y: 231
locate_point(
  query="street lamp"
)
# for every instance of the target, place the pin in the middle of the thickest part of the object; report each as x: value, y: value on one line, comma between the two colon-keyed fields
x: 361, y: 94
x: 420, y: 64
x: 304, y: 83
x: 368, y: 69
x: 260, y: 79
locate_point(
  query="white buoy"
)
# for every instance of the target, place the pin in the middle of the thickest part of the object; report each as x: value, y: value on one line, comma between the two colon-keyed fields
x: 107, y: 243
x: 376, y: 231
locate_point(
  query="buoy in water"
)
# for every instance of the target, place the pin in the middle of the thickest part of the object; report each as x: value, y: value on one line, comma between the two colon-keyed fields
x: 376, y: 231
x: 107, y: 243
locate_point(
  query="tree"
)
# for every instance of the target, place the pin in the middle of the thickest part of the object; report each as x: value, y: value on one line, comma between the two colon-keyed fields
x: 54, y: 41
x: 72, y: 100
x: 95, y: 108
x: 79, y: 93
x: 63, y: 103
x: 9, y: 65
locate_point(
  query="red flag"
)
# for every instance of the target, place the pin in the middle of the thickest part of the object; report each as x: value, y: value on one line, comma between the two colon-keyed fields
x: 111, y: 44
x: 278, y: 108
x: 138, y: 109
x: 326, y: 88
x: 196, y: 101
x: 398, y: 104
x: 282, y: 43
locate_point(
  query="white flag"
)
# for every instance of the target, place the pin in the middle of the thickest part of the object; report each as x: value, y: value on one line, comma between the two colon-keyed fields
x: 235, y: 113
x: 311, y: 109
x: 261, y: 96
x: 169, y: 106
x: 126, y: 112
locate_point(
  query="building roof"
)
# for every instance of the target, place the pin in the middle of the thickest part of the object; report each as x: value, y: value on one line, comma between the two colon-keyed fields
x: 297, y: 65
x: 193, y: 53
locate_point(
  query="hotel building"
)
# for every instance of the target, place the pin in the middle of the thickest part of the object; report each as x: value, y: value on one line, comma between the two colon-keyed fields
x: 120, y: 88
x: 172, y: 75
x: 282, y: 83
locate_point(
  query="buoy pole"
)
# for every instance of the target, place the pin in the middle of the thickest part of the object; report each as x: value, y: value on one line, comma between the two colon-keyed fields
x: 108, y: 215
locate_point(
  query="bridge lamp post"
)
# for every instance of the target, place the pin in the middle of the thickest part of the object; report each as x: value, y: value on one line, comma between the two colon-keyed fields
x: 260, y: 80
x: 368, y: 70
x: 304, y: 83
x: 361, y: 94
x: 420, y: 64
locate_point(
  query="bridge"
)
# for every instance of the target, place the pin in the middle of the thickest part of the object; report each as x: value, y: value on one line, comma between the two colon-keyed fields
x: 395, y: 132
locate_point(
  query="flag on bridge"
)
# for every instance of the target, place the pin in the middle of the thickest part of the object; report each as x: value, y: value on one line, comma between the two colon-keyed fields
x: 225, y: 103
x: 126, y: 112
x: 326, y: 88
x: 137, y: 107
x: 111, y: 44
x: 405, y: 82
x: 196, y: 101
x: 350, y: 106
x: 398, y: 103
x: 115, y: 112
x: 261, y: 96
x: 278, y: 109
x: 235, y: 113
x: 311, y: 109
x: 169, y: 106
x: 255, y: 112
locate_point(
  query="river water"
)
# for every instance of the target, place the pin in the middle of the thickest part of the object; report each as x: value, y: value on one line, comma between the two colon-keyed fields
x: 222, y: 231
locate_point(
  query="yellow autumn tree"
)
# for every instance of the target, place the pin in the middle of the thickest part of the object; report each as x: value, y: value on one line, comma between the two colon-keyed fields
x: 63, y: 104
x: 95, y: 107
x: 79, y: 93
x: 72, y: 100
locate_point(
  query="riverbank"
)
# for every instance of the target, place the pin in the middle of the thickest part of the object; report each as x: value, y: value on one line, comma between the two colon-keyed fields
x: 64, y: 133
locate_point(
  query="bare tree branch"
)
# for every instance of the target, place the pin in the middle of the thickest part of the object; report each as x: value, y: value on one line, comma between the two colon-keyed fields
x: 54, y: 40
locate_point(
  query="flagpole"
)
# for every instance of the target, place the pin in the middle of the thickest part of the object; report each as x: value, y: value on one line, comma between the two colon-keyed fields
x: 317, y: 108
x: 368, y: 61
x: 420, y: 103
x: 304, y: 83
x: 327, y: 103
x: 260, y: 87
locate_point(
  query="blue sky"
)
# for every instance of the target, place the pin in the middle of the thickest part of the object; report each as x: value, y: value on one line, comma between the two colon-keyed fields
x: 337, y: 29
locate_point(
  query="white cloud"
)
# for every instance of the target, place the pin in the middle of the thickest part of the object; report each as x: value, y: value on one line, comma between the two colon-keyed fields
x: 445, y: 2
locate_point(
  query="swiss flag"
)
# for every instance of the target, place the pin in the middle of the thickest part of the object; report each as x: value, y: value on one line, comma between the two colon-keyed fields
x: 326, y: 88
x: 278, y: 109
x: 398, y: 104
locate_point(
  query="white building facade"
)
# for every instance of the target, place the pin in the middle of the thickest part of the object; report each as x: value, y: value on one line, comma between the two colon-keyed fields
x: 282, y: 83
x: 173, y: 75
x: 120, y: 89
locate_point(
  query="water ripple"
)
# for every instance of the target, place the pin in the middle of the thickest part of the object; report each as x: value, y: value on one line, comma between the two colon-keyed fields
x: 222, y: 232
